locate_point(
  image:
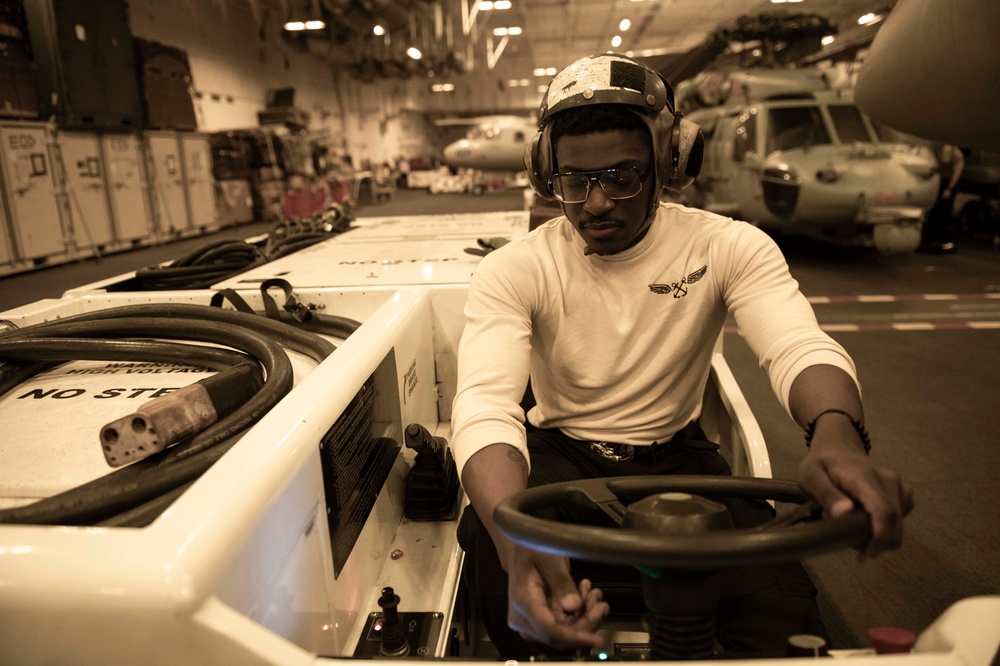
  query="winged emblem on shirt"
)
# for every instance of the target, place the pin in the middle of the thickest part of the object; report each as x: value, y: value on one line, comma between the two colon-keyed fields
x: 679, y: 289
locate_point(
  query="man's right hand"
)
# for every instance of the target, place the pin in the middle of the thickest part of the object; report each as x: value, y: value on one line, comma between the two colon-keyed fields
x: 545, y: 603
x: 547, y: 606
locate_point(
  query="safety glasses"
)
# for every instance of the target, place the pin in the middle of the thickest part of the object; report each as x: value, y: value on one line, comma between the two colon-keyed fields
x: 623, y: 183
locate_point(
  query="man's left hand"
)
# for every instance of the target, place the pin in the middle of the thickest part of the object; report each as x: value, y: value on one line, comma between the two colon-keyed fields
x: 838, y: 474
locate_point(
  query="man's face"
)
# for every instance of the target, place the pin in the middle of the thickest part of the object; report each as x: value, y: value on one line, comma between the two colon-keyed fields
x: 608, y: 225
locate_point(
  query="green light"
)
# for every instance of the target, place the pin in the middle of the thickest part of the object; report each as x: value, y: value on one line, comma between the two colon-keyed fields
x: 602, y: 656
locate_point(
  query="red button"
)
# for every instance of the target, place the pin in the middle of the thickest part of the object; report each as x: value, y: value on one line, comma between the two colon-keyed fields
x: 891, y: 640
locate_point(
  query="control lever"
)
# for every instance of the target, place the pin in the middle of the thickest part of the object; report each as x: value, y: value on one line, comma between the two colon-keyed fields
x: 394, y: 643
x: 432, y: 483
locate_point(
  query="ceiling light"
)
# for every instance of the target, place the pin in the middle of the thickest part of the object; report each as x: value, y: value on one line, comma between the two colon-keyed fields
x: 826, y: 41
x: 616, y: 41
x: 414, y: 53
x: 501, y: 4
x: 624, y: 25
x: 315, y: 25
x: 378, y: 30
x: 503, y: 32
x: 295, y: 26
x: 443, y: 87
x: 485, y: 6
x: 514, y: 30
x: 539, y: 71
x: 543, y: 89
x: 866, y: 19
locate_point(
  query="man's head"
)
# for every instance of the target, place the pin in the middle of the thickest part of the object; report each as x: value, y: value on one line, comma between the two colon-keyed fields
x: 610, y: 80
x: 603, y: 175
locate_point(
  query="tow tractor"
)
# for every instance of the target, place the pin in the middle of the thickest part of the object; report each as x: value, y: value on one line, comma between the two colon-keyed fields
x: 309, y: 514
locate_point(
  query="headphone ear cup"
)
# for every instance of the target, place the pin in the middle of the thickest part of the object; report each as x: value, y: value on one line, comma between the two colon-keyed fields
x: 538, y: 162
x: 687, y: 147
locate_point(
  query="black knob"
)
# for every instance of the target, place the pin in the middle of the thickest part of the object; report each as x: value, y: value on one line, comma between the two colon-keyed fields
x: 394, y: 642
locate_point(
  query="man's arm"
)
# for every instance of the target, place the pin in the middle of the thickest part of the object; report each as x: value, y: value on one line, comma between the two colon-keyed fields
x: 957, y: 166
x: 836, y: 471
x: 545, y: 604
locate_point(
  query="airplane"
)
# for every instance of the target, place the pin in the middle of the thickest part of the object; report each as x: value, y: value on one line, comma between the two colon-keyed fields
x: 494, y: 143
x: 811, y: 163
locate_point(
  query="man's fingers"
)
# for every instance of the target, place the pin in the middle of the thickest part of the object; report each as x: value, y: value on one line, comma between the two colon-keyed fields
x: 879, y: 491
x: 566, y: 620
x: 563, y: 590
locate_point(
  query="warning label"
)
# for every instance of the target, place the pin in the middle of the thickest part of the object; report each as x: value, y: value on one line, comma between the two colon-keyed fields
x: 50, y: 424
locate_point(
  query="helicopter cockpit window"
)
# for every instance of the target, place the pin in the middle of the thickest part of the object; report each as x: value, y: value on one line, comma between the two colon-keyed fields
x: 848, y: 123
x: 795, y: 127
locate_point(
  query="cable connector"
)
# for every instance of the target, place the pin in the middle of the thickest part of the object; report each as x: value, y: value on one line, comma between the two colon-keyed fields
x: 170, y: 418
x: 157, y: 424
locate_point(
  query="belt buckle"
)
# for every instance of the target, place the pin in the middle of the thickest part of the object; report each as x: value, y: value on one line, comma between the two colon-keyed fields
x: 613, y: 452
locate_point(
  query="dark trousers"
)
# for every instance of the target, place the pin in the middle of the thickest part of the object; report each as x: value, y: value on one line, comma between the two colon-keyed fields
x: 760, y: 606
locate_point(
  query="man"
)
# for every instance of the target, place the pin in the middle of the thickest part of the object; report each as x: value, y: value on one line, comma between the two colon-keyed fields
x: 612, y: 312
x: 937, y: 235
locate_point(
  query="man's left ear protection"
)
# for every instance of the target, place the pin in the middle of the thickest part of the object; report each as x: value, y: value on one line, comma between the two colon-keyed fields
x: 679, y: 165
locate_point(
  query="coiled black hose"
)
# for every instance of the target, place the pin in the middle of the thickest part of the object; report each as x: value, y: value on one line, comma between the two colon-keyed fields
x: 215, y: 262
x: 292, y: 244
x: 204, y: 267
x: 110, y: 335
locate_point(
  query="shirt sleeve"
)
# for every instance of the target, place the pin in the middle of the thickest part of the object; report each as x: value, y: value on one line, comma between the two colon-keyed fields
x: 493, y: 358
x: 772, y: 315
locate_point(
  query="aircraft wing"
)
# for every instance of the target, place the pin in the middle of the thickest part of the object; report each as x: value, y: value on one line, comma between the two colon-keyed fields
x: 932, y: 72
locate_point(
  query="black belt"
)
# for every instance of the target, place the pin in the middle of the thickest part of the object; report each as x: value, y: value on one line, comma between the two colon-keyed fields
x: 690, y: 435
x: 619, y: 452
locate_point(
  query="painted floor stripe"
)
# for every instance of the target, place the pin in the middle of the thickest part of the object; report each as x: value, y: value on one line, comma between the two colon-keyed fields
x: 902, y: 327
x: 850, y: 328
x: 914, y: 326
x: 890, y: 298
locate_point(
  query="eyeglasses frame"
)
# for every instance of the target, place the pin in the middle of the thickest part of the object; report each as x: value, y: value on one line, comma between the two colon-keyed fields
x: 594, y: 176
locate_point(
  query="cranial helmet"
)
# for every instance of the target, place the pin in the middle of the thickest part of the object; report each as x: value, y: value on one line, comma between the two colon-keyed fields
x: 609, y: 78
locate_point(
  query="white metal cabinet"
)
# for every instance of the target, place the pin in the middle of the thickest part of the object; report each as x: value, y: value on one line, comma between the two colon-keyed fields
x: 169, y: 198
x: 199, y: 181
x: 30, y: 190
x: 128, y: 186
x: 84, y: 192
x: 6, y: 250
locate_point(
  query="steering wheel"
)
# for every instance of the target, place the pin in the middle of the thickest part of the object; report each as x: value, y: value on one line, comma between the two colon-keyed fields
x: 785, y: 538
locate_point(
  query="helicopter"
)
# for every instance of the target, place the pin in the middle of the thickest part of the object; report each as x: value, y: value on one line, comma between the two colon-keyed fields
x: 810, y: 162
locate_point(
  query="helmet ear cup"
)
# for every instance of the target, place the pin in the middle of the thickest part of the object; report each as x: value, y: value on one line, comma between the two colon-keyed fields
x: 538, y: 162
x: 681, y: 150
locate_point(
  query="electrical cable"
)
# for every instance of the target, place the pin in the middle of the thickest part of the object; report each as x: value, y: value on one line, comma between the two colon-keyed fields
x: 109, y: 334
x: 203, y: 267
x: 212, y: 263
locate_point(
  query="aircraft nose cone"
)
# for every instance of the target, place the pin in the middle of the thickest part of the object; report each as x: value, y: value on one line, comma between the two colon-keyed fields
x: 457, y: 153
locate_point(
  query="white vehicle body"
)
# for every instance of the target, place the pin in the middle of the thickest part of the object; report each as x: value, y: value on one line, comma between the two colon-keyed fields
x: 244, y: 567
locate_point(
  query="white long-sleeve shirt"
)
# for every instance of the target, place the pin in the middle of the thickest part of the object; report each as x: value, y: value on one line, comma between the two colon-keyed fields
x: 619, y: 347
